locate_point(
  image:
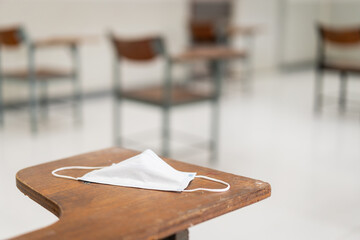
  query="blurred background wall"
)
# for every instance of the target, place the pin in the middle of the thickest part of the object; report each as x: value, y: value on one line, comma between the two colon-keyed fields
x: 296, y: 37
x: 286, y: 39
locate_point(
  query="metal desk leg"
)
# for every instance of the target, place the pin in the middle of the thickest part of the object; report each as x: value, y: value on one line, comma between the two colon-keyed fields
x: 183, y: 235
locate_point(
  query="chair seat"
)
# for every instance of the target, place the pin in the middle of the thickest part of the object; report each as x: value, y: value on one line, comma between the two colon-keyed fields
x: 40, y: 74
x: 154, y: 95
x: 342, y: 66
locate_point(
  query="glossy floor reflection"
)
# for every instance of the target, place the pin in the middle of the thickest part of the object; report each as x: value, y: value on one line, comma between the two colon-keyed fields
x: 270, y: 133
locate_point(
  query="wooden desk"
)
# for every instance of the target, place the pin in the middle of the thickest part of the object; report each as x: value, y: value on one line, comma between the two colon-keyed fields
x: 64, y: 41
x: 243, y: 30
x: 97, y: 211
x: 209, y: 53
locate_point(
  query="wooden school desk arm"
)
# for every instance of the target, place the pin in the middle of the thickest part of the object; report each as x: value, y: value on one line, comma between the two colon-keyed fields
x: 97, y: 211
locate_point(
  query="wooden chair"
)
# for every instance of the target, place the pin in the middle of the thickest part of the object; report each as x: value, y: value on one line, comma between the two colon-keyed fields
x: 165, y: 96
x: 15, y: 37
x: 342, y: 37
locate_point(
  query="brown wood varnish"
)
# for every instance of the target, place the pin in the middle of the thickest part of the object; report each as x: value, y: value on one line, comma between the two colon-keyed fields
x: 97, y: 211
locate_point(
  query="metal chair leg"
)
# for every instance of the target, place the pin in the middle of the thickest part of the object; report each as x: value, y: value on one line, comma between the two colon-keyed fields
x: 318, y: 91
x: 214, y: 151
x: 166, y: 132
x: 33, y: 103
x: 218, y: 73
x: 44, y: 99
x: 249, y: 71
x: 1, y: 103
x: 342, y: 95
x: 33, y: 106
x: 77, y: 95
x: 183, y: 235
x: 116, y: 124
x: 167, y: 95
x: 77, y: 101
x: 1, y: 96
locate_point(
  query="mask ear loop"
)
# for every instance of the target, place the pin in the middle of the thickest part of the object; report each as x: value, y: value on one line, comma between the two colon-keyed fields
x: 209, y: 189
x: 72, y: 167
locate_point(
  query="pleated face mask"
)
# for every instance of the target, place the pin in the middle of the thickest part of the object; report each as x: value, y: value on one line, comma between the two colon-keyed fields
x: 146, y: 170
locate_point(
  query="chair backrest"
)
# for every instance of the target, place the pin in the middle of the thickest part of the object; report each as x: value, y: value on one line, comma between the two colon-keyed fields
x: 209, y: 20
x: 340, y: 36
x: 144, y: 49
x: 203, y: 32
x: 344, y: 37
x: 12, y: 36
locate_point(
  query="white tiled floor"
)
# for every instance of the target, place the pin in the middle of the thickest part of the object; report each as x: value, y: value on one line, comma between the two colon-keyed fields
x: 271, y: 133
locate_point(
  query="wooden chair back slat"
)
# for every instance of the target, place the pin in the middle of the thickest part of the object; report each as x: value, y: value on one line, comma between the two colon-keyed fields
x: 203, y: 32
x: 346, y: 36
x: 138, y: 50
x: 11, y: 37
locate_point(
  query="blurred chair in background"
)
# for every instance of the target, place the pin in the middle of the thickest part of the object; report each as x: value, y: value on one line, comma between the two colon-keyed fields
x: 14, y: 38
x: 209, y: 22
x: 165, y: 96
x: 341, y: 37
x: 211, y: 25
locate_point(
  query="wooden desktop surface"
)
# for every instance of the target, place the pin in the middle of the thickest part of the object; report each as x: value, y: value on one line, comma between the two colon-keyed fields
x: 64, y: 41
x: 209, y: 53
x: 97, y: 211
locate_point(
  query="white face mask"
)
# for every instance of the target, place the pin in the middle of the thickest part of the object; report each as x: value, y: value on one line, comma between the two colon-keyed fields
x: 145, y: 170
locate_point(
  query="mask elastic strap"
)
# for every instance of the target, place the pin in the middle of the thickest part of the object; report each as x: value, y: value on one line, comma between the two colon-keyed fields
x: 71, y: 167
x: 209, y: 189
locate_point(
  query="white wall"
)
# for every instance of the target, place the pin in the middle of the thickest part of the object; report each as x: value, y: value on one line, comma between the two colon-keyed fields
x: 263, y: 14
x: 93, y: 17
x: 281, y: 40
x: 298, y: 44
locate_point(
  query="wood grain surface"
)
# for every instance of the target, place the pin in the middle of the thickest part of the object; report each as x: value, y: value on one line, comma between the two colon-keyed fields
x: 97, y: 211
